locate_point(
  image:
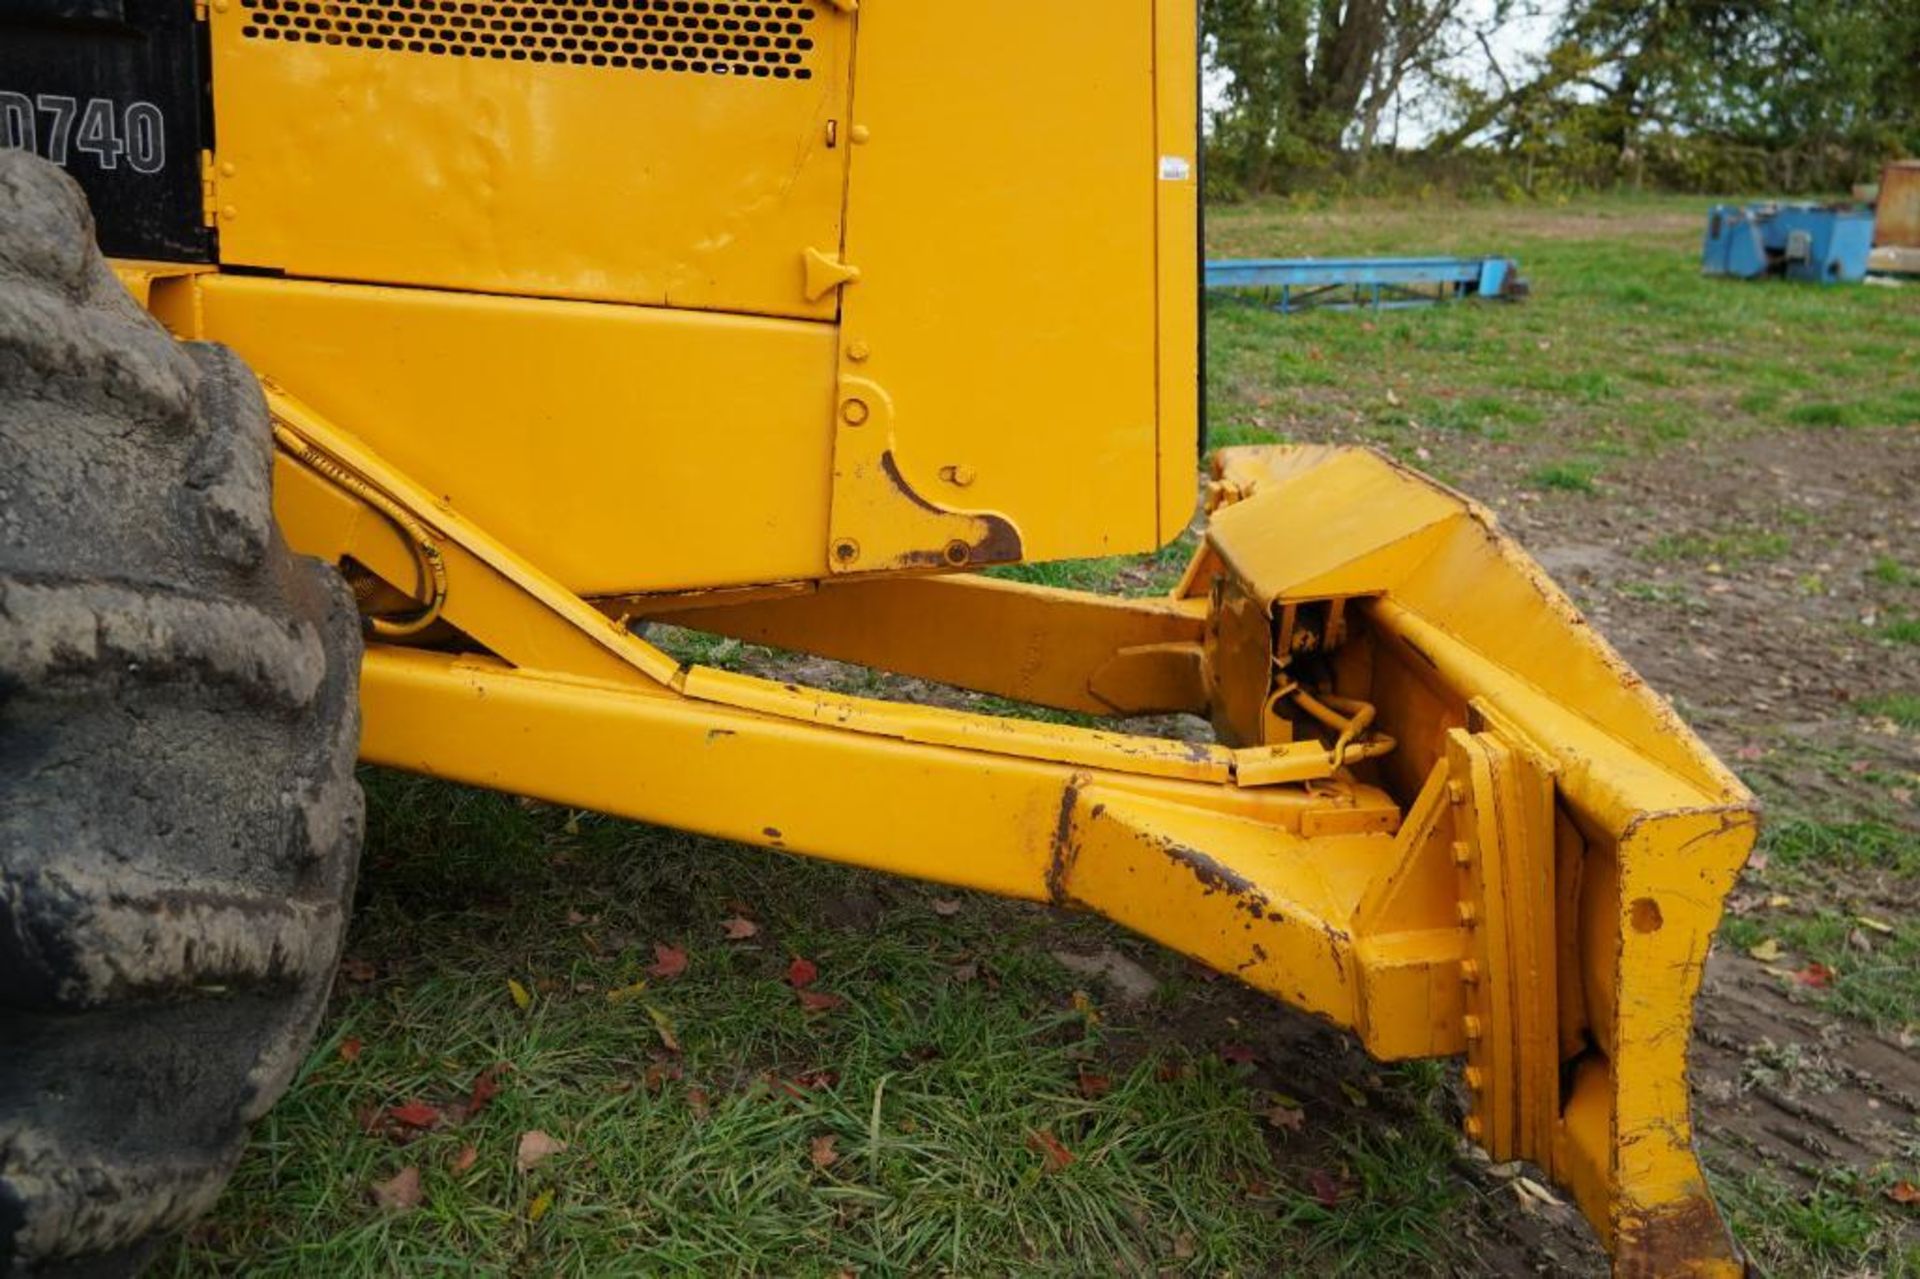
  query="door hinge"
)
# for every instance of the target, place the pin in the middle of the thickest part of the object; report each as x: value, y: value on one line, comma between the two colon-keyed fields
x: 209, y: 194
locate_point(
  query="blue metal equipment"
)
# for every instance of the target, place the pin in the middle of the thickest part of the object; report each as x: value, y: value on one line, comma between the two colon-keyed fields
x: 1824, y: 243
x: 1298, y: 284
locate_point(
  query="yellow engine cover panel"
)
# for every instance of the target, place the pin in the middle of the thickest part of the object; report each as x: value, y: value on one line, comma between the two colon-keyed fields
x: 620, y: 448
x: 1005, y: 214
x: 650, y: 151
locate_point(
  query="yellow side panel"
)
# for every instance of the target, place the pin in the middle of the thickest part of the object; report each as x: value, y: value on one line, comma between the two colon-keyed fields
x: 675, y: 155
x: 616, y: 448
x: 1002, y: 214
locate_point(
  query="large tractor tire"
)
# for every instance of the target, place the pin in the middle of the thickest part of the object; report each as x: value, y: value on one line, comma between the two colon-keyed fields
x: 179, y: 817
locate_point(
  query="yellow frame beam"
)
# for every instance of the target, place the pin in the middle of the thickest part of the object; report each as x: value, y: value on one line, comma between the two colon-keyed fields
x: 1522, y: 861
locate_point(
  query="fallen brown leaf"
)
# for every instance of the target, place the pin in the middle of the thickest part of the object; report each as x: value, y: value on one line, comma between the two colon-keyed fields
x: 1325, y: 1186
x: 350, y: 1050
x: 414, y: 1114
x: 464, y: 1160
x: 1236, y: 1054
x: 535, y: 1146
x: 668, y: 961
x: 1093, y: 1086
x: 357, y: 970
x: 818, y: 1001
x: 823, y: 1154
x: 1290, y: 1118
x: 802, y: 973
x: 1056, y: 1157
x: 946, y: 907
x: 1904, y: 1192
x: 739, y: 929
x: 663, y: 1027
x: 486, y: 1086
x: 399, y: 1192
x: 658, y: 1073
x: 698, y: 1103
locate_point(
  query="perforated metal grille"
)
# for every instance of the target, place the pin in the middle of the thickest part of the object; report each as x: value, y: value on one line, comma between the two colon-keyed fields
x: 701, y: 37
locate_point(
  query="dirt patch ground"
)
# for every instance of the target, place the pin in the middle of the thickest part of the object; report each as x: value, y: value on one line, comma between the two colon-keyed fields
x: 1740, y: 577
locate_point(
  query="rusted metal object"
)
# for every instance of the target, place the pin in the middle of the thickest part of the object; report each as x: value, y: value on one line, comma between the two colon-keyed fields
x: 1896, y: 223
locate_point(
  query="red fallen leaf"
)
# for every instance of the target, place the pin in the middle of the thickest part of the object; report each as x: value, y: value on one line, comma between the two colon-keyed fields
x: 350, y: 1050
x: 1170, y: 1071
x: 1815, y: 974
x: 1904, y: 1193
x: 357, y: 970
x: 823, y: 1153
x: 463, y: 1160
x: 739, y: 929
x: 818, y: 1079
x: 1750, y: 753
x: 1257, y: 1188
x: 668, y: 961
x: 1860, y: 766
x: 697, y: 1102
x: 802, y: 973
x: 1056, y: 1156
x: 400, y: 1192
x: 485, y: 1086
x: 1094, y: 1086
x: 818, y: 1001
x: 1236, y: 1054
x: 1326, y: 1189
x: 414, y: 1114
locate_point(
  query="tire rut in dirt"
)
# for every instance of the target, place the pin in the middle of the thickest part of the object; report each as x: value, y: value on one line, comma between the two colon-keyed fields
x: 179, y: 819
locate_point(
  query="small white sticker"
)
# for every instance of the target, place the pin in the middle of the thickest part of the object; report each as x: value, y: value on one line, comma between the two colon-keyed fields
x: 1175, y: 168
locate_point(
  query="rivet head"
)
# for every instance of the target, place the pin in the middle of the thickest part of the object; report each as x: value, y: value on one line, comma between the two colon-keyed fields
x: 846, y: 550
x: 960, y: 475
x: 1468, y: 915
x: 854, y: 412
x: 1470, y: 971
x: 1457, y: 792
x: 229, y: 213
x: 1462, y: 854
x: 1473, y: 1028
x: 858, y: 351
x: 228, y: 169
x: 859, y: 133
x: 958, y: 552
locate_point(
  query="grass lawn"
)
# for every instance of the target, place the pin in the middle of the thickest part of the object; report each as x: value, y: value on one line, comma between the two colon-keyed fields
x: 737, y: 1062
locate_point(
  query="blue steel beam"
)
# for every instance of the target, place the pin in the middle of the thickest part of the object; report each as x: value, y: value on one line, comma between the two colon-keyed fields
x: 1445, y: 276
